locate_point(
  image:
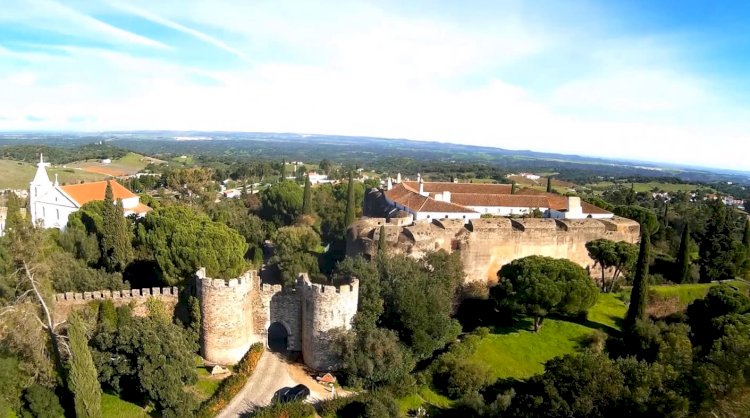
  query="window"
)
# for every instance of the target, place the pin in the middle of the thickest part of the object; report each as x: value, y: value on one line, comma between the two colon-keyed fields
x: 58, y: 214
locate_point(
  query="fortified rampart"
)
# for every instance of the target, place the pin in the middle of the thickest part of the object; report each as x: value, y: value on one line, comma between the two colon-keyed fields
x: 487, y: 244
x: 66, y: 302
x: 239, y: 312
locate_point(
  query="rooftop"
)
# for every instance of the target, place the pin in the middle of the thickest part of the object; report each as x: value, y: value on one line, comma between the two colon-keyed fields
x: 87, y: 192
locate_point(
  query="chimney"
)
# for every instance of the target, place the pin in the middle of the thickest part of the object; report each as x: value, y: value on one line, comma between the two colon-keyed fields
x: 398, y: 178
x: 421, y: 189
x: 447, y: 197
x: 389, y: 185
x: 455, y: 180
x: 419, y: 177
x: 575, y: 211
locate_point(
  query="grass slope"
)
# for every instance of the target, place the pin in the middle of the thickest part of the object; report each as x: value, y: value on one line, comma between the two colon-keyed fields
x: 114, y: 407
x: 647, y: 187
x: 17, y: 175
x: 425, y: 397
x: 687, y: 293
x: 521, y: 353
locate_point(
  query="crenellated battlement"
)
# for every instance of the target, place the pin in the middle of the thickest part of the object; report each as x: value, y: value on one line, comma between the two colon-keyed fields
x: 246, y: 280
x: 351, y: 287
x: 118, y: 294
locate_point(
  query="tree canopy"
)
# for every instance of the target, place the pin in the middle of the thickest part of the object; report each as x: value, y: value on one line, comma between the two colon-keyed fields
x: 608, y: 254
x: 538, y: 286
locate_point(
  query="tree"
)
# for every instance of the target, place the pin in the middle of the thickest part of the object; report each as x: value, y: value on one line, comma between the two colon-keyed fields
x: 41, y: 402
x: 147, y: 357
x: 639, y: 293
x: 721, y: 254
x: 14, y: 217
x: 82, y: 377
x: 281, y: 203
x: 374, y: 357
x: 513, y: 188
x: 182, y: 241
x: 325, y: 165
x: 538, y: 286
x: 116, y: 245
x: 645, y: 217
x: 609, y: 254
x: 683, y: 262
x: 295, y: 252
x: 549, y: 184
x: 350, y: 205
x: 307, y: 208
x: 746, y: 247
x: 418, y: 305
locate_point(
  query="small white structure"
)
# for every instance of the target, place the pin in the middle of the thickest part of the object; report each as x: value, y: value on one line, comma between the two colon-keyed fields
x: 107, y: 161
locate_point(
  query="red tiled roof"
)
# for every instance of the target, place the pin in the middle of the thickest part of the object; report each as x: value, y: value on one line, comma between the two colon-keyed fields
x: 405, y: 196
x: 438, y: 187
x: 87, y: 192
x: 504, y: 200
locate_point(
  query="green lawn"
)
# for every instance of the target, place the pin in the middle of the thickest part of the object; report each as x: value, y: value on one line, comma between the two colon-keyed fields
x: 521, y: 353
x: 687, y: 293
x: 205, y: 386
x: 114, y: 407
x: 425, y: 397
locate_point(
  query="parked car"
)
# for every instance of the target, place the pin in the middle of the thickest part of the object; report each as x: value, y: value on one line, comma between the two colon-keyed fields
x: 297, y: 393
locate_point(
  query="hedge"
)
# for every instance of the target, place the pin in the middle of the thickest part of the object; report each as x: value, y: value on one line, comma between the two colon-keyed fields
x: 297, y: 409
x: 232, y: 385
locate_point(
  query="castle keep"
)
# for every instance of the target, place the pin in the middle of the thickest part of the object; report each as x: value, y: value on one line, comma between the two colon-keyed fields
x: 489, y: 243
x: 239, y: 312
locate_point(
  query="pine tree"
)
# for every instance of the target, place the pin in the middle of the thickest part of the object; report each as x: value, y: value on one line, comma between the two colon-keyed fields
x: 683, y: 257
x: 117, y: 249
x: 639, y: 293
x: 382, y: 249
x: 549, y: 184
x: 349, y: 216
x: 307, y: 197
x: 82, y: 378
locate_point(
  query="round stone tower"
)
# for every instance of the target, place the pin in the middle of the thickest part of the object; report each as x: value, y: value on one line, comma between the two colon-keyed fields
x: 325, y: 311
x: 226, y: 326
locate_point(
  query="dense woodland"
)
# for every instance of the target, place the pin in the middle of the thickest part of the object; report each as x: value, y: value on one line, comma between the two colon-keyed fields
x: 417, y: 323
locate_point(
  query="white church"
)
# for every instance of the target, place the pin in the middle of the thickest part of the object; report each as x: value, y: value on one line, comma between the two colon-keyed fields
x: 50, y: 204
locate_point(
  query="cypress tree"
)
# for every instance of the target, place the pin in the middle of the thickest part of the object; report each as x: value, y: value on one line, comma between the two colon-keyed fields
x: 549, y: 184
x: 639, y: 293
x: 666, y: 215
x: 349, y: 216
x: 307, y: 197
x: 13, y: 218
x: 83, y: 379
x: 683, y: 256
x: 283, y: 170
x: 117, y: 249
x: 382, y: 250
x: 513, y: 188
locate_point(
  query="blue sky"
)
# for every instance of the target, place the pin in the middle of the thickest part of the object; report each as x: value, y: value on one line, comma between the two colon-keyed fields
x: 650, y: 80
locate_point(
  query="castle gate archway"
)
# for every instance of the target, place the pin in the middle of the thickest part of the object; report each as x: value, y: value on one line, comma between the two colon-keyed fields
x: 278, y: 337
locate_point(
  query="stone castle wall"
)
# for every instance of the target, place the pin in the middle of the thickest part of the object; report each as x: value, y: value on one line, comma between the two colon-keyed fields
x: 488, y: 244
x: 226, y: 325
x: 283, y: 305
x: 65, y: 303
x: 326, y: 310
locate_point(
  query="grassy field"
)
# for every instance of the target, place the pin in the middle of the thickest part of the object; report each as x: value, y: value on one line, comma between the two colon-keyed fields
x: 647, y: 187
x: 131, y: 163
x: 687, y: 293
x: 17, y: 175
x: 521, y: 353
x: 205, y: 386
x: 114, y: 407
x: 425, y: 397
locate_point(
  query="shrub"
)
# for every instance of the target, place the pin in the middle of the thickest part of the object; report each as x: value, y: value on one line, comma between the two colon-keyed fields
x: 285, y: 410
x: 231, y: 386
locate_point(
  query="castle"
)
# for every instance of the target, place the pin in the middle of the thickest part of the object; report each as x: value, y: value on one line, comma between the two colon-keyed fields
x: 417, y: 221
x: 239, y: 312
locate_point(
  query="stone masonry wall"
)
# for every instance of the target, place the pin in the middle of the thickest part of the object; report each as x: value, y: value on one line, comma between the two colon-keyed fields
x: 325, y: 311
x: 226, y: 320
x: 487, y: 244
x: 65, y: 303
